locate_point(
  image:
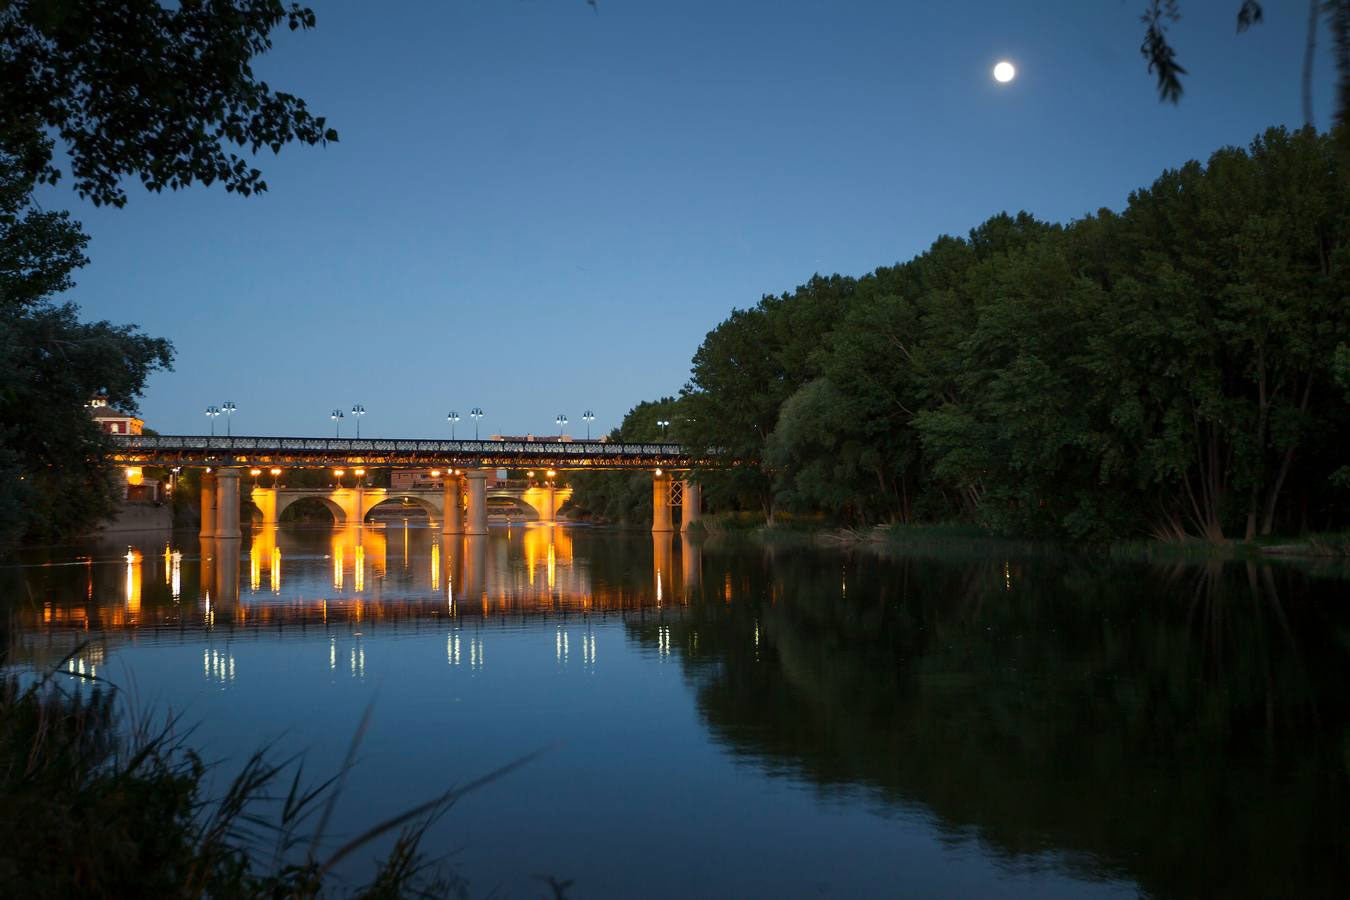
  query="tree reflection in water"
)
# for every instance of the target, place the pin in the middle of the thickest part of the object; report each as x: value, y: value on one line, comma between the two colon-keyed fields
x: 1184, y: 727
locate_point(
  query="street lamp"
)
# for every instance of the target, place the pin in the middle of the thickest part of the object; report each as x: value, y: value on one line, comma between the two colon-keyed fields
x: 561, y: 422
x: 663, y: 424
x: 228, y: 409
x: 588, y: 417
x: 358, y: 411
x: 211, y: 413
x: 336, y: 416
x: 275, y: 474
x: 476, y: 413
x: 452, y: 417
x: 255, y: 473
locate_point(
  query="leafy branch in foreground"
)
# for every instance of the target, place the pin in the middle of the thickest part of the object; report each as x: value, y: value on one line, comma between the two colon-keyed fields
x: 161, y: 91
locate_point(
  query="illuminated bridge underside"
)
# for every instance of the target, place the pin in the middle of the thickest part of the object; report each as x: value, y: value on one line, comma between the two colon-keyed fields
x: 174, y: 450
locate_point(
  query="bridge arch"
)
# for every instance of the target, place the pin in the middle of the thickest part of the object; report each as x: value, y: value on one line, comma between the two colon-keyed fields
x: 432, y: 511
x: 518, y: 507
x: 284, y: 503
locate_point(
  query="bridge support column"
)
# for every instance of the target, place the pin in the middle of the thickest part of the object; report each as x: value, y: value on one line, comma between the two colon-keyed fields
x: 660, y: 502
x: 266, y: 501
x: 208, y: 505
x: 477, y: 502
x: 227, y: 504
x: 549, y: 514
x: 454, y: 510
x: 692, y: 510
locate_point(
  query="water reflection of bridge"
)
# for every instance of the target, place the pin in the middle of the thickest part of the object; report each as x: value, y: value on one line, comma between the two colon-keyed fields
x: 355, y: 576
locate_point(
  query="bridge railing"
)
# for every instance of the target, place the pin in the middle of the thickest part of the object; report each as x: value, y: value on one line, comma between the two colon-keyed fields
x: 407, y: 452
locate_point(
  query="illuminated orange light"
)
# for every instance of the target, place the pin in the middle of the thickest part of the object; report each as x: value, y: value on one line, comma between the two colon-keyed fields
x: 255, y: 472
x: 339, y: 472
x: 276, y: 472
x: 435, y: 473
x: 358, y: 472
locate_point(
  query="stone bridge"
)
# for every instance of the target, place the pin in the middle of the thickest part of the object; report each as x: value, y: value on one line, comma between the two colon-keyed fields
x: 352, y: 505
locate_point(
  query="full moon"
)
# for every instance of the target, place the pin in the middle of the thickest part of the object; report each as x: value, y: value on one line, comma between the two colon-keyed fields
x: 1004, y: 72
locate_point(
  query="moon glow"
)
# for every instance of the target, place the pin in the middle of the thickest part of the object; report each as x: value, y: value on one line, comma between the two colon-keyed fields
x: 1004, y: 72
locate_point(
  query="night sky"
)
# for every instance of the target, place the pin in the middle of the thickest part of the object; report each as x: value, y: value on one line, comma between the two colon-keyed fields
x: 538, y: 209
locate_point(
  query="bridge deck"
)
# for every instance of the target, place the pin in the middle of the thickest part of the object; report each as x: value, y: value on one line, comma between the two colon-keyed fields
x: 204, y: 450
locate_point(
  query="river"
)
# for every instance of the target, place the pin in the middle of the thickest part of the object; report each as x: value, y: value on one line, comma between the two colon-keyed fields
x: 734, y: 719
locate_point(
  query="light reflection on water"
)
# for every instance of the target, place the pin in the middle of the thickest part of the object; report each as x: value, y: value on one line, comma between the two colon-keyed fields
x: 743, y: 720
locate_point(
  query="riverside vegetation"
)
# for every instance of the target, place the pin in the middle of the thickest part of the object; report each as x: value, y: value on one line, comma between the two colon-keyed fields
x: 1176, y: 370
x: 102, y: 805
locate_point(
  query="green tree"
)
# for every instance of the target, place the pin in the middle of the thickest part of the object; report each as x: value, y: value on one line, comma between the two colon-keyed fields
x: 744, y: 371
x: 142, y: 88
x: 54, y: 469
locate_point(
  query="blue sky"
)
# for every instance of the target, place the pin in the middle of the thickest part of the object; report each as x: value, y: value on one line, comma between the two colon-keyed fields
x: 538, y: 209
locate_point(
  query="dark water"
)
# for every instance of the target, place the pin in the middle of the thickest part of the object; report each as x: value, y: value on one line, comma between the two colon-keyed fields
x: 734, y: 720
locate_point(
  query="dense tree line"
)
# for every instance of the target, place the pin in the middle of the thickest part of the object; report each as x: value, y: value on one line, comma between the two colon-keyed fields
x: 1177, y: 368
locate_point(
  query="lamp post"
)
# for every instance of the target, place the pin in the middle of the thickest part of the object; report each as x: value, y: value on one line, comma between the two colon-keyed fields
x: 336, y: 416
x: 588, y: 417
x: 476, y: 413
x: 358, y: 411
x: 228, y: 409
x: 561, y: 422
x: 255, y: 473
x: 452, y: 417
x: 663, y: 424
x: 211, y: 413
x: 276, y: 473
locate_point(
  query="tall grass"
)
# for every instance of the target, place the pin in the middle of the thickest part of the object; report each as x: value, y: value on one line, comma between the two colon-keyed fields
x: 95, y: 804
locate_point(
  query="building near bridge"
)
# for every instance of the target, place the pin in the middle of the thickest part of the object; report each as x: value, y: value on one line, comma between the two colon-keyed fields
x: 529, y: 438
x: 433, y: 479
x: 113, y: 421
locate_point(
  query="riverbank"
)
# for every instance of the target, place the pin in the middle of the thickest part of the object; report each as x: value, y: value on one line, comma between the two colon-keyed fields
x: 1315, y: 545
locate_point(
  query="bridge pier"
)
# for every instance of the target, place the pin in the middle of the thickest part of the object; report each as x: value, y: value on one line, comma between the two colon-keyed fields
x: 208, y: 529
x: 661, y: 502
x: 477, y: 479
x: 453, y: 509
x: 549, y: 514
x: 692, y: 511
x: 227, y: 504
x: 266, y: 501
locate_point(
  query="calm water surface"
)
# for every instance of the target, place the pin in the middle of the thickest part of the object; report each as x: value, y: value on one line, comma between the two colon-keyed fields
x: 734, y: 720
